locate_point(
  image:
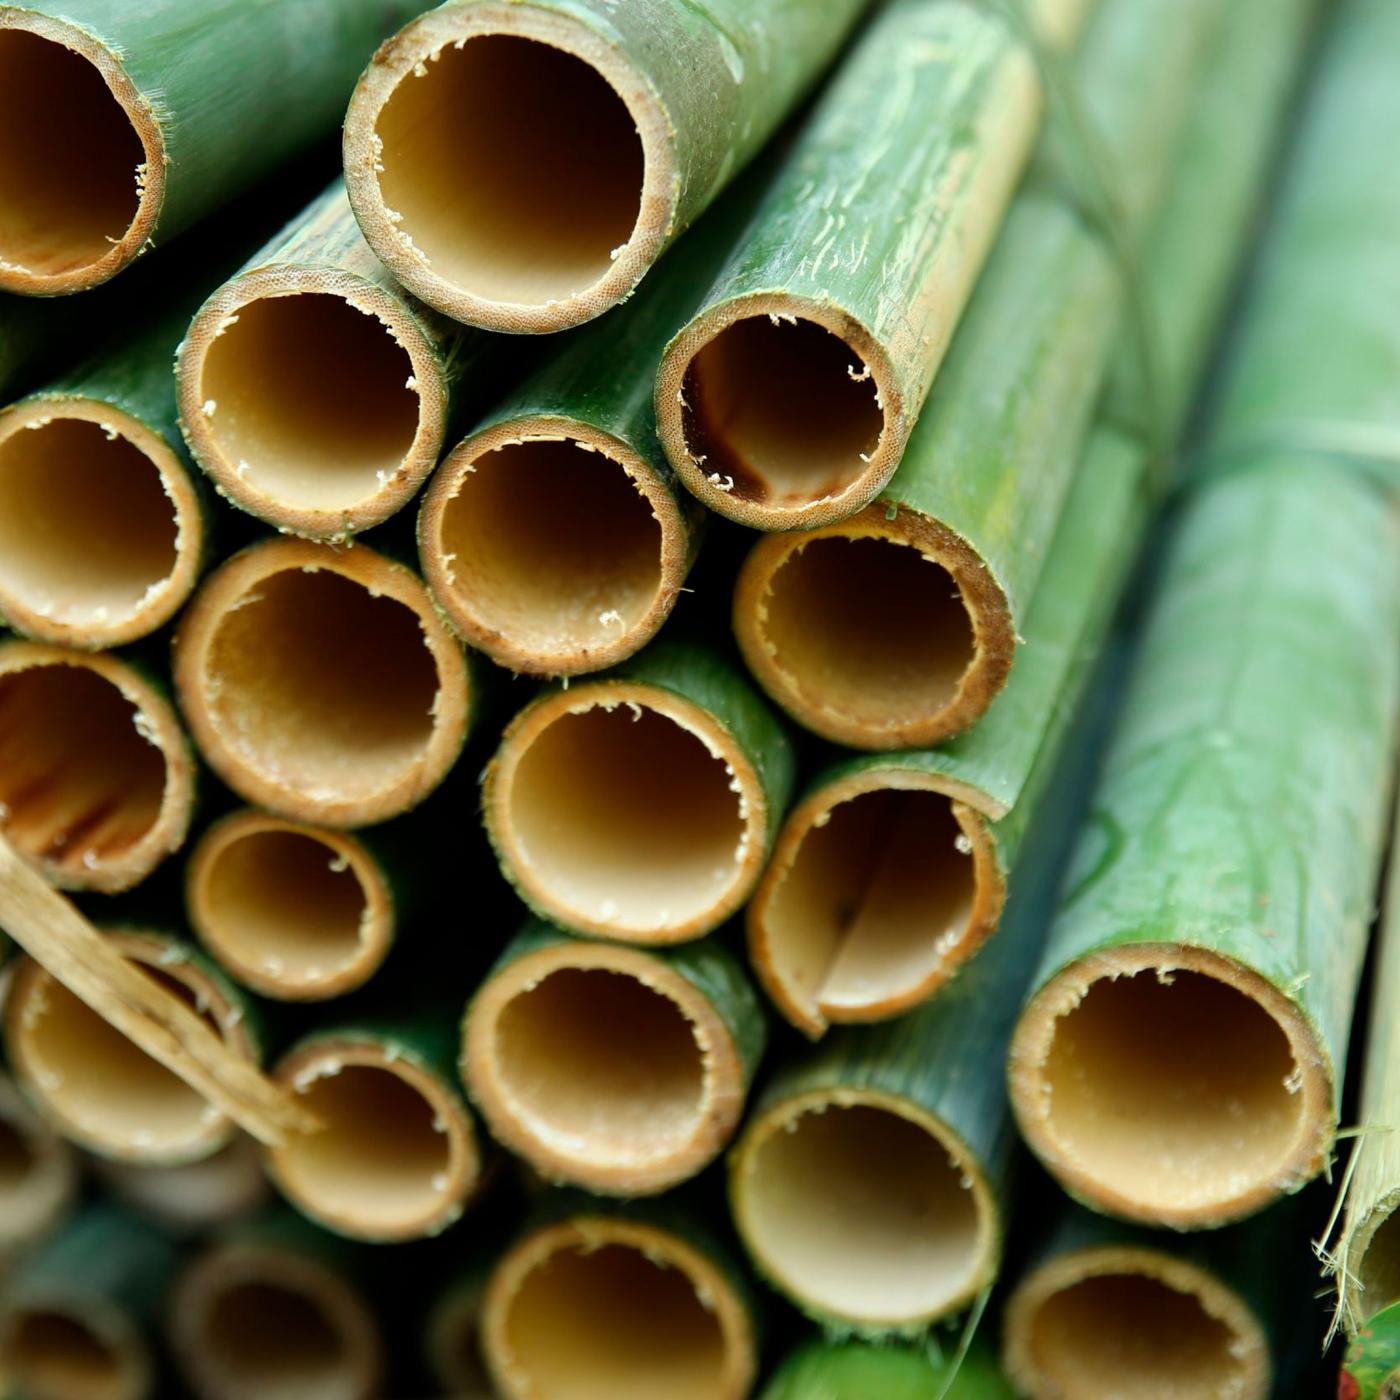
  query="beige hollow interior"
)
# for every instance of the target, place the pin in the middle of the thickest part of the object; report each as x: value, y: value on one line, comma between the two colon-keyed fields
x: 58, y: 1353
x: 1377, y: 1273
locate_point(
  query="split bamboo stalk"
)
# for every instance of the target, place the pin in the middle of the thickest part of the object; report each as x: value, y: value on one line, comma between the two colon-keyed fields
x: 40, y: 1181
x: 844, y: 1370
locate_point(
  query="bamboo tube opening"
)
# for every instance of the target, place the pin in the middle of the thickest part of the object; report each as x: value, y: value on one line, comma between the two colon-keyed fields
x: 38, y: 1172
x: 554, y: 554
x: 623, y: 809
x: 192, y: 1197
x: 295, y: 912
x: 100, y: 528
x: 65, y: 1351
x: 96, y: 779
x: 864, y: 1208
x: 1375, y: 1262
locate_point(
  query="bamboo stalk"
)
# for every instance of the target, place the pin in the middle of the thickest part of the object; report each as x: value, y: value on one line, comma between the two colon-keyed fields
x: 322, y: 685
x: 640, y: 805
x: 633, y: 119
x: 38, y: 1175
x: 845, y: 1370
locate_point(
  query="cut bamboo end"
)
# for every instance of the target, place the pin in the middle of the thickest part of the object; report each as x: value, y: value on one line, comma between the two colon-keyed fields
x: 623, y: 810
x: 552, y: 546
x: 1369, y: 1276
x: 604, y: 1067
x: 322, y: 684
x: 100, y: 1089
x: 780, y: 413
x: 313, y: 398
x: 882, y: 632
x: 61, y: 1347
x: 38, y: 1174
x: 867, y: 1211
x: 96, y: 775
x: 192, y: 1197
x: 1167, y: 1084
x: 1134, y: 1322
x: 396, y: 1157
x: 513, y: 224
x: 296, y: 912
x: 600, y: 1306
x: 452, y: 1342
x: 101, y: 531
x: 82, y: 165
x: 257, y: 1320
x: 881, y: 886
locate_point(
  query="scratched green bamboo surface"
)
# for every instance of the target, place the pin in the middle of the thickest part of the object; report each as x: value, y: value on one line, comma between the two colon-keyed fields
x: 821, y: 1370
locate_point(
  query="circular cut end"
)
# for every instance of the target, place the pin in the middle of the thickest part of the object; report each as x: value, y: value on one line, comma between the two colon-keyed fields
x: 320, y: 684
x: 1370, y: 1273
x: 295, y: 912
x: 621, y: 809
x: 396, y: 1158
x: 882, y: 884
x: 101, y: 532
x: 552, y: 546
x: 191, y: 1198
x: 258, y: 1322
x: 96, y: 776
x: 101, y: 1089
x: 82, y: 161
x: 313, y: 398
x: 1168, y: 1084
x: 453, y: 1342
x: 780, y: 414
x: 604, y: 1067
x: 864, y: 1209
x: 38, y: 1173
x: 599, y: 1306
x: 515, y: 224
x: 73, y: 1348
x: 878, y: 633
x: 1136, y: 1324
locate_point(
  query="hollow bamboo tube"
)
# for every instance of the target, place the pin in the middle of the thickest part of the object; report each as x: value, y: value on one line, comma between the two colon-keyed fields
x: 38, y: 1175
x: 521, y: 166
x: 320, y: 684
x: 844, y: 1370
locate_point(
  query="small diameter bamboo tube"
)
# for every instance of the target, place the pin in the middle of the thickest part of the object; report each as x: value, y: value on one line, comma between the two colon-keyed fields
x: 38, y: 1174
x: 452, y: 1337
x: 521, y: 166
x: 322, y: 684
x: 96, y: 775
x: 601, y: 1303
x: 640, y: 805
x: 611, y: 1068
x: 100, y: 1089
x: 841, y: 1370
x: 114, y: 146
x: 191, y: 1198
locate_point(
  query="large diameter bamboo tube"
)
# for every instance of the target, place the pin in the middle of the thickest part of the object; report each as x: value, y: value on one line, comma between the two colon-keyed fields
x: 191, y: 1198
x: 38, y: 1174
x: 521, y: 166
x: 640, y: 805
x: 114, y: 145
x: 322, y: 684
x: 844, y: 1370
x: 620, y: 1070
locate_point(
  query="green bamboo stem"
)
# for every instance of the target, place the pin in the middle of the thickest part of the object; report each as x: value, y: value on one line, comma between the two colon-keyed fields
x: 138, y: 121
x: 41, y: 1177
x: 640, y: 805
x: 638, y: 115
x: 861, y: 1370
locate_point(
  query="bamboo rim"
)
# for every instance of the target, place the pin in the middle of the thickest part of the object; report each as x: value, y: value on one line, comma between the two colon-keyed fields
x: 899, y: 845
x: 910, y: 1225
x: 1119, y: 1108
x: 349, y: 710
x: 543, y: 197
x: 846, y: 634
x: 313, y: 398
x: 1137, y: 1321
x: 547, y: 570
x: 452, y: 1342
x: 68, y: 1345
x: 396, y: 1157
x: 651, y: 834
x: 101, y: 531
x: 38, y: 1173
x: 296, y: 912
x: 191, y: 1197
x: 96, y: 775
x: 644, y: 1084
x: 581, y: 1307
x: 1368, y: 1266
x: 252, y: 1319
x: 61, y: 244
x: 780, y: 412
x: 102, y: 1091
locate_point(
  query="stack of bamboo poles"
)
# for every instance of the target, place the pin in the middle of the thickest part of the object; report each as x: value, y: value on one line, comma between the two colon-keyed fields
x: 567, y: 745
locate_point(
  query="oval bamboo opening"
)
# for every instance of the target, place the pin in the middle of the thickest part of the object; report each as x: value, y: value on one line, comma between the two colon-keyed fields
x: 604, y: 1307
x: 864, y: 1210
x: 322, y: 684
x: 101, y: 531
x: 192, y: 1197
x: 64, y: 1350
x: 96, y: 777
x: 38, y: 1172
x: 397, y: 1156
x: 556, y: 554
x: 1376, y: 1271
x: 295, y: 912
x: 82, y: 163
x: 623, y: 810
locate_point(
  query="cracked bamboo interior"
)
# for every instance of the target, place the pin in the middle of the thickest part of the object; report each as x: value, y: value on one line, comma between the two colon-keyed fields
x: 58, y: 1351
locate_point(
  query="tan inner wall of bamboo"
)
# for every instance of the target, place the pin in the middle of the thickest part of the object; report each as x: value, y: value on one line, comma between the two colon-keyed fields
x: 1378, y: 1275
x: 50, y: 1353
x: 276, y: 1342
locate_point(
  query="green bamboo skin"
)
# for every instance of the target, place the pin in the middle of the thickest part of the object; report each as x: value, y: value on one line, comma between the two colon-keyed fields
x: 170, y: 124
x: 861, y: 1370
x: 658, y: 105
